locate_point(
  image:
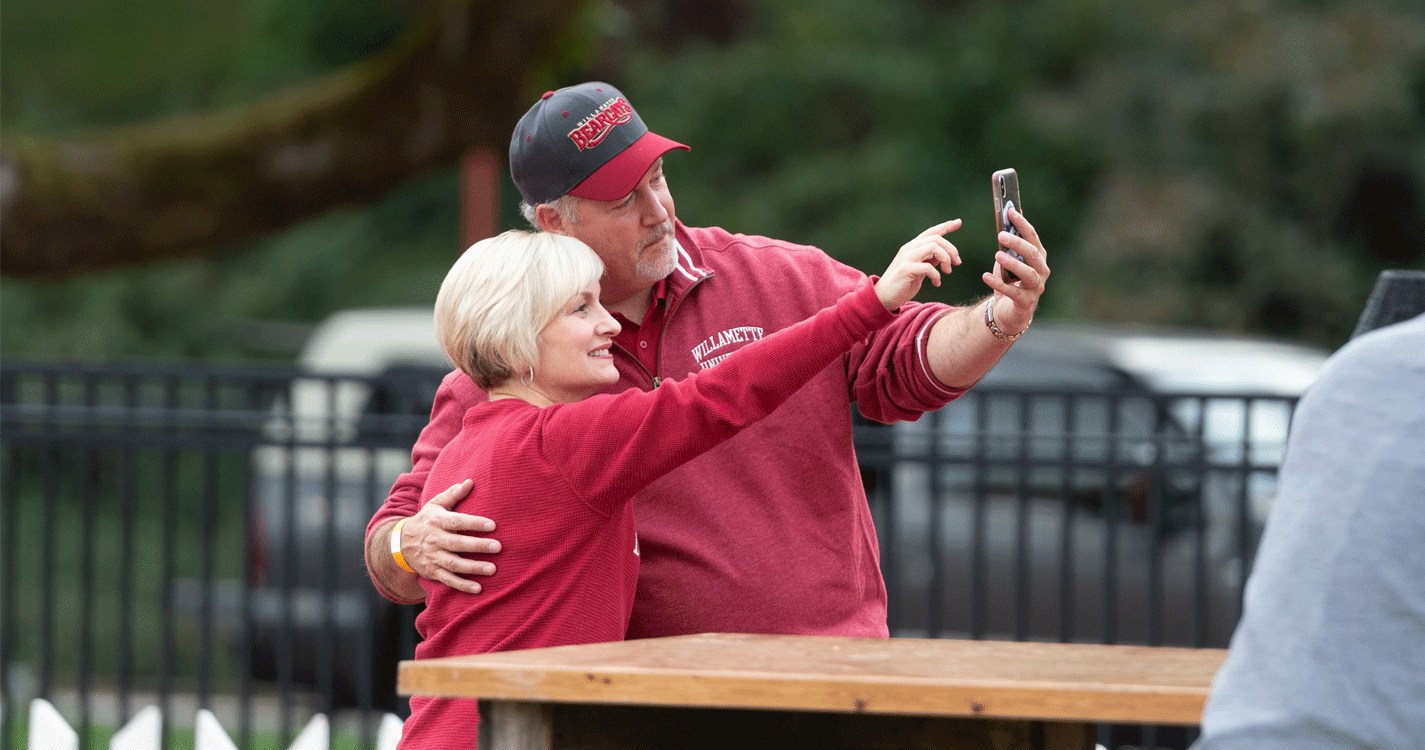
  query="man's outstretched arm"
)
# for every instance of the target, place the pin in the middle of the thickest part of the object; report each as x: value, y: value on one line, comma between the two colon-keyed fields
x: 962, y: 347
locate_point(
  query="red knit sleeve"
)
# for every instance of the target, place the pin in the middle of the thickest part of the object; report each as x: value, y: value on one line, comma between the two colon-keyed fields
x: 611, y: 446
x: 890, y: 377
x: 454, y: 397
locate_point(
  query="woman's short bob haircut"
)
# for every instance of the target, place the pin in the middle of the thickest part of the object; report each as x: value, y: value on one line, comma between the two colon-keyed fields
x: 501, y: 293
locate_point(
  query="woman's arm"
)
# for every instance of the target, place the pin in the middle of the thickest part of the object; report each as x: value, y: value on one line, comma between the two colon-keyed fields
x: 611, y: 446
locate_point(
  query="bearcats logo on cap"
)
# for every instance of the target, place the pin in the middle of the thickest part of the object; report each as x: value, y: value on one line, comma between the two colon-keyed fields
x: 592, y: 131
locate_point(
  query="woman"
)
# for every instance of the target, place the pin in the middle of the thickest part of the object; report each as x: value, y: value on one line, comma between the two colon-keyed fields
x: 557, y: 464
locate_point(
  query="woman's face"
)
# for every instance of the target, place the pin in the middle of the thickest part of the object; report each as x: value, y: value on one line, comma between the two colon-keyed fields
x: 575, y: 350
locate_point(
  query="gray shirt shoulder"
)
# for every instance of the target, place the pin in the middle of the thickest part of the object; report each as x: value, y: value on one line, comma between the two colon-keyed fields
x: 1330, y: 652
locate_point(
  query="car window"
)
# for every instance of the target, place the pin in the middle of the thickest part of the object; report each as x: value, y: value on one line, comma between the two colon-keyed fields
x: 399, y: 404
x: 1050, y: 369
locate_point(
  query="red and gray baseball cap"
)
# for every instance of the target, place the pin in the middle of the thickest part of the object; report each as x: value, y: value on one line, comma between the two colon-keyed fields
x: 583, y: 140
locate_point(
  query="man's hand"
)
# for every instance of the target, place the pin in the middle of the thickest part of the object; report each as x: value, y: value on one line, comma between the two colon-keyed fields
x: 961, y: 348
x: 432, y: 543
x: 1015, y: 302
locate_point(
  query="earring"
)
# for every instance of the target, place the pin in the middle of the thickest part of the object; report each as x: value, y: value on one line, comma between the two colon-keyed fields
x: 531, y: 378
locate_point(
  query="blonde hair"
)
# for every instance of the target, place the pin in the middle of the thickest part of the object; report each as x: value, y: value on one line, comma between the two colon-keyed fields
x: 501, y: 293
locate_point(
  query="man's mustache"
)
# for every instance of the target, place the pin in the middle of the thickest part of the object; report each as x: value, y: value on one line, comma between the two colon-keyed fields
x: 658, y: 233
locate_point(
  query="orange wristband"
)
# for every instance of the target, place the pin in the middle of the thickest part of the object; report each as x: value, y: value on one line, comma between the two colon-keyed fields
x: 396, y: 546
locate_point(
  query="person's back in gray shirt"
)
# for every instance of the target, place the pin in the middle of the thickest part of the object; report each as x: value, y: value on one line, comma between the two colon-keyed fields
x: 1330, y: 652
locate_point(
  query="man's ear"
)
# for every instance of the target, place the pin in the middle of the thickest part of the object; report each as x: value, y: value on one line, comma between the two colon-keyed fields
x: 549, y: 219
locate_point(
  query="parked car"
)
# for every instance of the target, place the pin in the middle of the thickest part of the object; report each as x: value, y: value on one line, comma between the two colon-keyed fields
x: 1100, y: 484
x: 333, y: 447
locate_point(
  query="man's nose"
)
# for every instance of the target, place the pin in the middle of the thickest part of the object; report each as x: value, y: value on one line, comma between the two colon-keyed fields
x: 653, y: 209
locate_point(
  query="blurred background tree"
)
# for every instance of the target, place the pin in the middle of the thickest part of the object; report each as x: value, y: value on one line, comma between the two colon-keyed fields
x: 1246, y: 167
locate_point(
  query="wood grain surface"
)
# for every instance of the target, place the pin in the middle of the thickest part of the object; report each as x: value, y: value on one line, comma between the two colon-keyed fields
x: 928, y: 677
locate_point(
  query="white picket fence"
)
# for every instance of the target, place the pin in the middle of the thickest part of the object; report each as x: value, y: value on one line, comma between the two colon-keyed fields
x: 50, y: 731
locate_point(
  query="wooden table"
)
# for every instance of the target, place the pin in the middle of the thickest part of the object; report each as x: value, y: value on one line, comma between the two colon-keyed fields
x: 779, y: 691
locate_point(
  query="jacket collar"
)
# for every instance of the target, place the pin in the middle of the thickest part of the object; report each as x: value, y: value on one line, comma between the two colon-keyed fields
x: 689, y: 271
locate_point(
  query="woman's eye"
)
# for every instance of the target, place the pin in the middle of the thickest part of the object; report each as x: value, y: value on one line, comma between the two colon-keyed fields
x: 581, y: 308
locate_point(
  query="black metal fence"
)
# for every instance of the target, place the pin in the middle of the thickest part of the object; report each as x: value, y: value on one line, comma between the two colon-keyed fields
x: 192, y: 536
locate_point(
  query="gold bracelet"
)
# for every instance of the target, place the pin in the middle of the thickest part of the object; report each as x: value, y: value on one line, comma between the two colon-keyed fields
x: 994, y: 327
x: 396, y: 546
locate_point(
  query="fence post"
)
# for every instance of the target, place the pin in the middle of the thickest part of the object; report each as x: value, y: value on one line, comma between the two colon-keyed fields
x: 209, y: 733
x: 143, y: 732
x: 315, y: 736
x: 49, y: 730
x: 389, y: 735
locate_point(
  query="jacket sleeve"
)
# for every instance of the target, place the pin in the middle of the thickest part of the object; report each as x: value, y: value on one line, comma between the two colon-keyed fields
x: 611, y: 446
x: 457, y: 393
x: 890, y: 377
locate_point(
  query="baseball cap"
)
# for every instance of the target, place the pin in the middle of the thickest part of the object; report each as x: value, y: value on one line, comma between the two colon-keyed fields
x: 583, y: 140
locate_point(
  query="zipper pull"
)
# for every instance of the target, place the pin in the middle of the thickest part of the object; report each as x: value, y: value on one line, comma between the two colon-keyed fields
x: 657, y: 381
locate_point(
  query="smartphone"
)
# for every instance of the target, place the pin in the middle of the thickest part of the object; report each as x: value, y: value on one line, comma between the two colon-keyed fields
x: 1005, y: 183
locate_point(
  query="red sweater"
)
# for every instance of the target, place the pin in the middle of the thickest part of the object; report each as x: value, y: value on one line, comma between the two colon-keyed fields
x: 718, y: 555
x: 561, y: 478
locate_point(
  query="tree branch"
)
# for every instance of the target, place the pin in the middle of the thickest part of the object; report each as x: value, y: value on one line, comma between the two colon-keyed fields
x: 198, y: 185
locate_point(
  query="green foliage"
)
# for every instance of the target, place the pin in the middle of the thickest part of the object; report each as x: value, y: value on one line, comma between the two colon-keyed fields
x: 1238, y: 167
x: 73, y: 65
x: 1260, y: 164
x: 852, y: 126
x: 177, y: 60
x: 1246, y: 168
x: 293, y: 42
x: 109, y: 527
x: 92, y: 63
x: 183, y: 737
x: 393, y: 252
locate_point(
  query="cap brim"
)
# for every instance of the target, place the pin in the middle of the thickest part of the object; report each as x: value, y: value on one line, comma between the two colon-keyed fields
x: 621, y: 174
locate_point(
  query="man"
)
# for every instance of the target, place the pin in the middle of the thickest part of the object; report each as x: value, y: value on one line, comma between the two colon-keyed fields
x: 1330, y: 652
x: 769, y: 533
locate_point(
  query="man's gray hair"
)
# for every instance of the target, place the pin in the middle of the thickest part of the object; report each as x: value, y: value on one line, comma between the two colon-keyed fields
x: 566, y: 205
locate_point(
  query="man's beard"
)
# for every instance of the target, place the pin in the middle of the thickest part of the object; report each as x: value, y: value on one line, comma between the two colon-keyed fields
x: 653, y: 266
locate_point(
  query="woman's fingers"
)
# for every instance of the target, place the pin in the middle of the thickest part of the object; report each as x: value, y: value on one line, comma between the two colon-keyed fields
x: 939, y: 229
x: 925, y: 256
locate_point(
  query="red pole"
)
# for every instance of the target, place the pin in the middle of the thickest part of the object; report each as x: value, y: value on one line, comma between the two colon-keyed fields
x: 479, y: 196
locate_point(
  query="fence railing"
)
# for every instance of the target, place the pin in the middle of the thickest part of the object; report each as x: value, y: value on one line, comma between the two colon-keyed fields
x: 191, y: 537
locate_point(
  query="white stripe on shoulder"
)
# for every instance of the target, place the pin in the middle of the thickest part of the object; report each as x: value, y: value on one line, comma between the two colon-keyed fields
x: 692, y: 272
x: 921, y: 337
